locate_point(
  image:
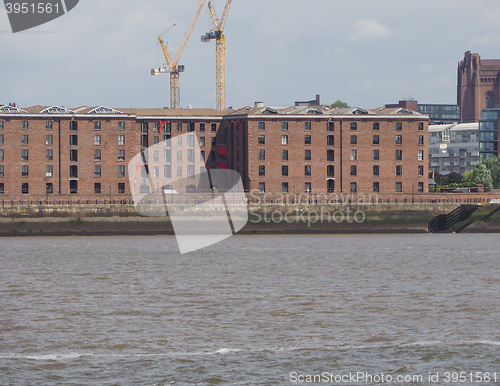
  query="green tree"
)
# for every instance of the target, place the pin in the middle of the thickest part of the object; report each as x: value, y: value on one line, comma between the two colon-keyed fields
x: 493, y: 165
x: 454, y: 178
x: 468, y: 176
x: 340, y: 104
x: 482, y: 175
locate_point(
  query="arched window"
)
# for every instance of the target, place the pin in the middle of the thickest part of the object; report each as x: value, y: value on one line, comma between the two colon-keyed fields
x: 490, y: 101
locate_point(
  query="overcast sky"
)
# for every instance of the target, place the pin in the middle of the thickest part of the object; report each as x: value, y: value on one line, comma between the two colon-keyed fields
x: 364, y: 52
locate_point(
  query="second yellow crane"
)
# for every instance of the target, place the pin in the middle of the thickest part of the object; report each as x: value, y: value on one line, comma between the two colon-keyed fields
x: 173, y: 66
x: 218, y: 34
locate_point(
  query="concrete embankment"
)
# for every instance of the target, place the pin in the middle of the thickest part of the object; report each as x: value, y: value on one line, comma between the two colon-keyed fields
x: 62, y: 220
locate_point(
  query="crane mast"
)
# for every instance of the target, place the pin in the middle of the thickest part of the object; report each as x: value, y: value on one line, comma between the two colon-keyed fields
x: 220, y: 49
x: 173, y: 66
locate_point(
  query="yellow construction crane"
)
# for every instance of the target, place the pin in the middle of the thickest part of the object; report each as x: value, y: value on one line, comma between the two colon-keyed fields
x: 172, y: 65
x: 218, y: 34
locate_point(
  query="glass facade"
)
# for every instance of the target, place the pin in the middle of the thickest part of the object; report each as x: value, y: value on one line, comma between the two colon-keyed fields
x: 440, y: 113
x: 488, y: 134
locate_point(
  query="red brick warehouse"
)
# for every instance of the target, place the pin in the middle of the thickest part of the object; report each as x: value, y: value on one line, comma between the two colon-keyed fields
x: 55, y: 152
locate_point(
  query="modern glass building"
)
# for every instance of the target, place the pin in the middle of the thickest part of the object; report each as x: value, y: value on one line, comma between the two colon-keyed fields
x: 488, y: 133
x: 440, y: 113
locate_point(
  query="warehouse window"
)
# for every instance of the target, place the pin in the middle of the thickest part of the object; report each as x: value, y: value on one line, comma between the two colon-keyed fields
x: 73, y: 171
x: 167, y: 155
x: 284, y: 139
x: 307, y: 125
x: 73, y: 125
x: 73, y: 155
x: 202, y: 127
x: 420, y: 155
x: 262, y: 155
x: 97, y: 125
x: 330, y: 155
x: 376, y: 155
x: 399, y: 139
x: 24, y: 125
x: 97, y: 187
x: 284, y: 170
x: 399, y: 126
x: 49, y: 140
x: 307, y: 140
x: 121, y: 155
x: 121, y: 140
x: 354, y: 126
x: 307, y: 155
x: 262, y: 139
x: 2, y: 171
x: 399, y: 170
x: 330, y: 171
x: 420, y: 125
x: 376, y: 187
x: 399, y: 187
x: 24, y: 171
x: 330, y: 140
x: 48, y: 125
x: 24, y: 139
x: 167, y: 171
x: 97, y: 170
x: 399, y: 155
x: 354, y: 155
x: 307, y: 187
x: 354, y: 139
x: 376, y: 139
x: 262, y: 170
x: 354, y: 187
x: 49, y: 171
x: 262, y: 187
x: 121, y: 187
x: 121, y: 171
x: 307, y: 170
x: 73, y: 140
x: 354, y: 170
x: 49, y: 188
x: 330, y: 126
x: 49, y: 154
x: 97, y: 155
x: 2, y: 155
x: 73, y: 186
x: 376, y: 170
x: 376, y: 126
x: 25, y: 188
x: 284, y: 187
x: 420, y: 170
x: 121, y: 125
x: 420, y: 139
x: 24, y: 154
x: 179, y: 127
x: 262, y: 125
x: 420, y: 187
x: 284, y: 125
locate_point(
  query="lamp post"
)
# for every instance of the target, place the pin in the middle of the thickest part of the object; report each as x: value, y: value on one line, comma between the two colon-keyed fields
x: 110, y: 194
x: 412, y: 194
